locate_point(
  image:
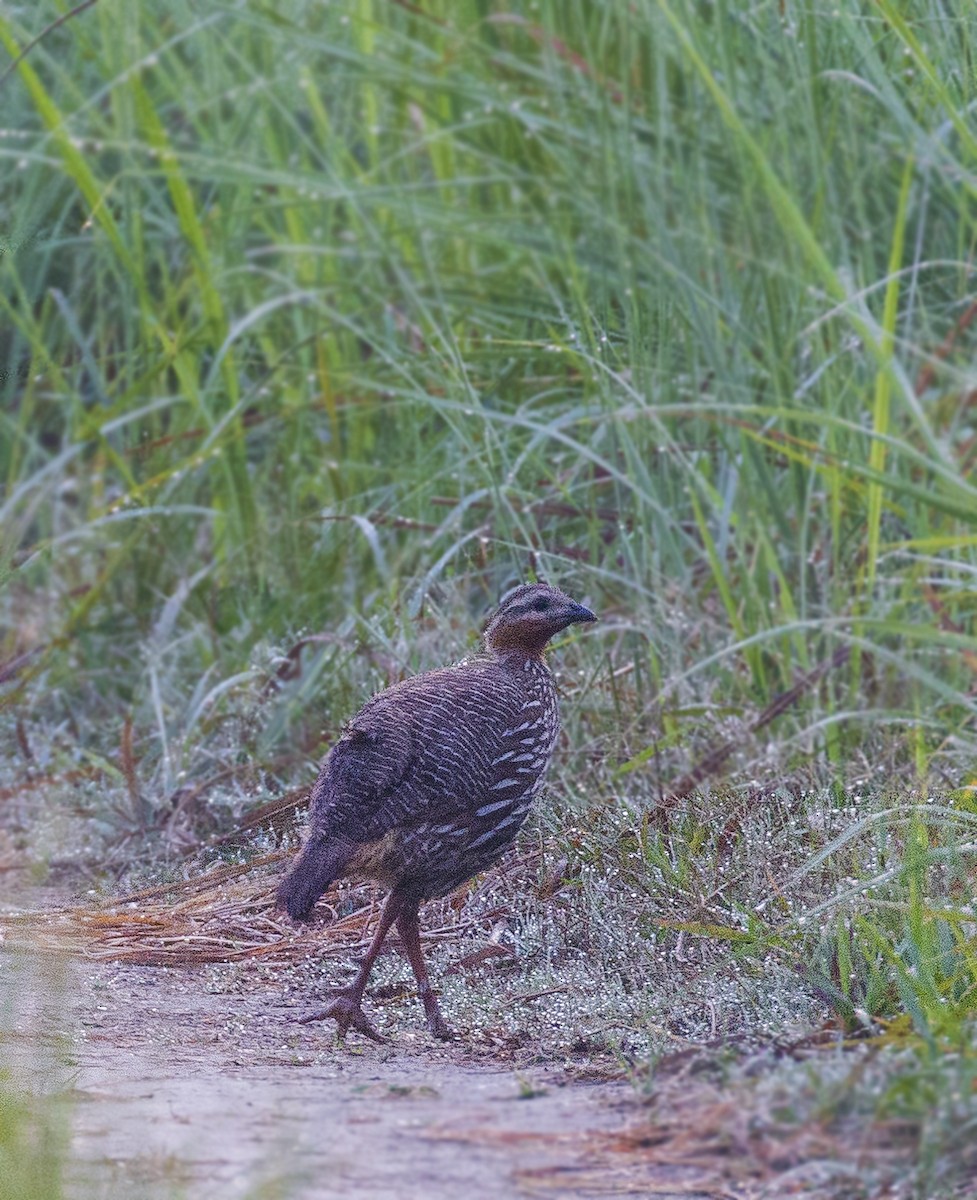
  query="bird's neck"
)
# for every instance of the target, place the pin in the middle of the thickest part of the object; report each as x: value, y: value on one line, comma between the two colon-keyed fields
x: 515, y: 645
x: 521, y: 657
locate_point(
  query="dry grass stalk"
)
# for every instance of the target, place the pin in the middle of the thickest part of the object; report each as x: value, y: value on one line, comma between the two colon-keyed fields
x: 223, y: 915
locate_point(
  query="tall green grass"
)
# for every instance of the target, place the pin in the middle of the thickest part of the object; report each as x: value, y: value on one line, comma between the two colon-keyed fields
x: 321, y: 325
x: 308, y: 312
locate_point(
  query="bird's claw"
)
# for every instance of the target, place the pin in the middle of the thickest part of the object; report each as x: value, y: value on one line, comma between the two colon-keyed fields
x: 437, y: 1026
x: 345, y: 1010
x: 440, y: 1028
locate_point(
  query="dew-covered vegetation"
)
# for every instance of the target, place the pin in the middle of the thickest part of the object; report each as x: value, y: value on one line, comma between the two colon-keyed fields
x: 321, y: 324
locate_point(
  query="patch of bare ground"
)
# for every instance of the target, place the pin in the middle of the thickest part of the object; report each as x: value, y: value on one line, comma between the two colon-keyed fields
x: 184, y: 1082
x: 189, y: 1076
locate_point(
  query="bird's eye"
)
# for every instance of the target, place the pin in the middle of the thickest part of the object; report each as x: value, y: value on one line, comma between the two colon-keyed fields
x: 542, y: 604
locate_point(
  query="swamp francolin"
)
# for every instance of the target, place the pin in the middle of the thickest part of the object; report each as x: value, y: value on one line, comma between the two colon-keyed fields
x: 431, y: 781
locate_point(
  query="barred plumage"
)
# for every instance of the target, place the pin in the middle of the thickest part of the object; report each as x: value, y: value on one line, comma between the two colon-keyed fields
x: 431, y: 781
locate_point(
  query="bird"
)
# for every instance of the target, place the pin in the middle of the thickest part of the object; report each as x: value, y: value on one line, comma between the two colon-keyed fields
x: 430, y: 782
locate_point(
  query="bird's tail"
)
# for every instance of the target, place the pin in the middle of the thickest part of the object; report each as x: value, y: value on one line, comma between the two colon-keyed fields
x: 318, y: 864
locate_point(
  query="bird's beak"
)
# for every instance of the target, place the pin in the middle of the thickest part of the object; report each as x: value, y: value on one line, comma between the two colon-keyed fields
x: 578, y: 613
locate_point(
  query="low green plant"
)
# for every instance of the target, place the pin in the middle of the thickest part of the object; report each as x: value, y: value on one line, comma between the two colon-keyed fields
x: 34, y: 1105
x: 33, y: 1143
x: 903, y: 957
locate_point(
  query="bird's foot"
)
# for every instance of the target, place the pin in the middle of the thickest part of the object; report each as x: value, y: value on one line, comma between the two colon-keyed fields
x: 440, y: 1028
x: 346, y: 1011
x: 436, y: 1023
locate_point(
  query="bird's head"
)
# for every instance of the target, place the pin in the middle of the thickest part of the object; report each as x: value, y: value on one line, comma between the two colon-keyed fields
x: 528, y: 616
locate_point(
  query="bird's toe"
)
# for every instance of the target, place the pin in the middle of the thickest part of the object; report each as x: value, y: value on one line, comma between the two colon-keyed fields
x: 348, y: 1014
x: 436, y: 1023
x: 439, y: 1027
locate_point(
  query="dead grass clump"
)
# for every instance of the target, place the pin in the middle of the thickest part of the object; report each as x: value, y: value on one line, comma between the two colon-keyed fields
x: 226, y: 914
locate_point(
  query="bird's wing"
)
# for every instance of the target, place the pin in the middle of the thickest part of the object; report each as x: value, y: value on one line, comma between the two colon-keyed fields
x: 361, y: 775
x: 410, y: 753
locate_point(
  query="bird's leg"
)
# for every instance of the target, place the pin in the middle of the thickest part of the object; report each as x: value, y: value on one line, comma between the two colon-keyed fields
x: 346, y: 1010
x: 410, y: 934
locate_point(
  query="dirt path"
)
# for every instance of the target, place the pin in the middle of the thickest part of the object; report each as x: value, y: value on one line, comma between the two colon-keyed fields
x: 184, y: 1086
x: 198, y: 1083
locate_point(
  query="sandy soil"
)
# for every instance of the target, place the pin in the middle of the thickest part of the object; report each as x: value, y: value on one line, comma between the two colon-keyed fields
x: 200, y: 1083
